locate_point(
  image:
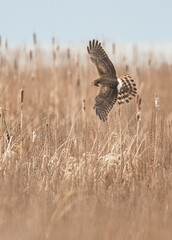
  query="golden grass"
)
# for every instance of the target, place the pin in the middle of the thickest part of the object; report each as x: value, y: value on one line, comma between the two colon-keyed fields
x: 64, y: 174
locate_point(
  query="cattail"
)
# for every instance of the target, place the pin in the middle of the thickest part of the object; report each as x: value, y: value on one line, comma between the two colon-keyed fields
x: 84, y: 106
x: 138, y: 118
x: 53, y: 41
x: 34, y: 39
x: 68, y: 53
x: 30, y: 55
x: 139, y: 101
x: 138, y: 114
x: 8, y: 136
x: 78, y: 82
x: 21, y: 96
x: 150, y: 59
x: 21, y: 116
x: 21, y: 109
x: 113, y: 48
x: 53, y: 50
x: 6, y: 43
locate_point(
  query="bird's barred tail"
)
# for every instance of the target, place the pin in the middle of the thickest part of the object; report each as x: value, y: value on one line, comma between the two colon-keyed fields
x: 126, y: 89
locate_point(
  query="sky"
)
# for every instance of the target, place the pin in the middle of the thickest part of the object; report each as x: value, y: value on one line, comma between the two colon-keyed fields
x: 122, y: 21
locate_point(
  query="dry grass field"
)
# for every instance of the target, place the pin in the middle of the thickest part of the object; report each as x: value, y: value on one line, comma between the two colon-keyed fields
x: 64, y: 174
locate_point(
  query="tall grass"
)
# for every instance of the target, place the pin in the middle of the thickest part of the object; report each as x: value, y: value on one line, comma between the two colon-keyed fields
x: 66, y: 175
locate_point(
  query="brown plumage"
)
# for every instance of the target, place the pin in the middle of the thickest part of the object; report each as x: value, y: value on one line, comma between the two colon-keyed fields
x: 112, y: 88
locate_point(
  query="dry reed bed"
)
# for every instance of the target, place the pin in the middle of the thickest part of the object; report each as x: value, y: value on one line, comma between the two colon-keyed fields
x: 66, y: 175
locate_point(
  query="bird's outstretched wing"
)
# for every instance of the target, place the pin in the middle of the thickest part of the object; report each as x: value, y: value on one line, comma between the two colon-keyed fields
x: 104, y: 101
x: 101, y: 60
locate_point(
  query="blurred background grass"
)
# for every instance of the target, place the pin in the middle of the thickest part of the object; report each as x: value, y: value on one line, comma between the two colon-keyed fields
x: 64, y: 173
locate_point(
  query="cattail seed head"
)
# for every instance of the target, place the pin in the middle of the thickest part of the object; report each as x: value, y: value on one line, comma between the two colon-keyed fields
x: 21, y: 96
x: 30, y: 55
x: 8, y: 136
x: 84, y: 106
x: 138, y: 114
x: 53, y: 41
x: 150, y: 57
x: 34, y: 39
x: 78, y: 82
x: 139, y: 101
x: 6, y: 43
x: 119, y: 111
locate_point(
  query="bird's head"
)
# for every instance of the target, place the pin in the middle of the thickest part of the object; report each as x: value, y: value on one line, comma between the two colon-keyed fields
x: 94, y: 84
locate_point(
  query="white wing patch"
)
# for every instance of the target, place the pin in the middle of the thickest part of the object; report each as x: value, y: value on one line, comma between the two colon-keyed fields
x: 119, y: 84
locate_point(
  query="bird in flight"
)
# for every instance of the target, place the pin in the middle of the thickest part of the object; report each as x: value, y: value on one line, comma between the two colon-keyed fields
x: 112, y: 89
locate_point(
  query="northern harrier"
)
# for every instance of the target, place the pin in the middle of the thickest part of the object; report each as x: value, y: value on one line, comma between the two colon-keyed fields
x: 112, y: 88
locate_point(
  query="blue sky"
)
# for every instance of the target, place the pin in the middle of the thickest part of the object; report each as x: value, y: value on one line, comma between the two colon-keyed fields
x: 76, y: 20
